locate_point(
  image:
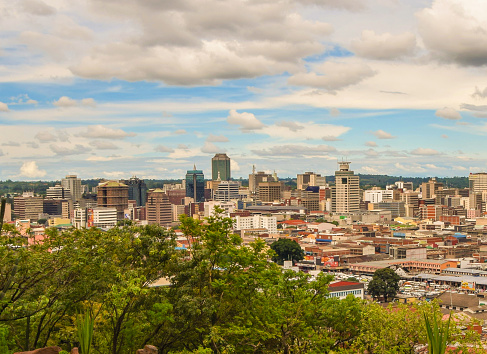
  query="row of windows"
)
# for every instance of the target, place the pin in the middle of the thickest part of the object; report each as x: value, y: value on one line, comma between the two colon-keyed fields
x: 345, y: 293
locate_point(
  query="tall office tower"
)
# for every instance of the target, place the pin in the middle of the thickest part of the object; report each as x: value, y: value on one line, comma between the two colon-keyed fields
x: 113, y: 194
x: 346, y: 192
x: 73, y: 183
x: 158, y: 208
x: 310, y: 179
x: 57, y: 207
x: 58, y: 192
x: 28, y: 207
x: 137, y: 190
x: 429, y: 189
x: 220, y: 166
x: 256, y: 178
x: 195, y: 185
x: 226, y: 190
x: 270, y: 191
x: 477, y: 182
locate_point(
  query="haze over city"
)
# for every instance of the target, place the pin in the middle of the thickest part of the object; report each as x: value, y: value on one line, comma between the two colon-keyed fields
x: 110, y: 89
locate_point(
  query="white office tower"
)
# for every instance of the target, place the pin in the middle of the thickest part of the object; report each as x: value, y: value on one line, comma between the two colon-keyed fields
x: 346, y: 192
x: 227, y: 190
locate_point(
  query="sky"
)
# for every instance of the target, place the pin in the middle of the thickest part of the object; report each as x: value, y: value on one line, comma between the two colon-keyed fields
x: 117, y: 88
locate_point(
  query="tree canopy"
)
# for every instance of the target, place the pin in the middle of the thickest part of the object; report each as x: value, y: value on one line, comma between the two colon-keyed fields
x: 287, y: 250
x: 385, y: 283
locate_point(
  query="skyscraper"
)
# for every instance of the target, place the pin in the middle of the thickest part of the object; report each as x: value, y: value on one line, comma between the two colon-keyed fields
x: 158, y: 208
x: 346, y: 192
x: 73, y: 183
x: 137, y: 190
x: 113, y: 194
x: 195, y: 185
x: 220, y: 163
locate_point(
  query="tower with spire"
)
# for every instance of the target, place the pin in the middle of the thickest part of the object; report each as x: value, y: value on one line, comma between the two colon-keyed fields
x: 195, y: 185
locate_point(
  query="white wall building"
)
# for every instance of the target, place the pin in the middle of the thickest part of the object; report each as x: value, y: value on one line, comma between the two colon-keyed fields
x: 256, y: 222
x: 95, y: 217
x: 377, y: 196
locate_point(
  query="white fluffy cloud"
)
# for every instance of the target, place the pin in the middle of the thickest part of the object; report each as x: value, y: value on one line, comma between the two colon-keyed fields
x: 210, y: 148
x: 217, y: 138
x: 384, y: 46
x: 63, y: 150
x: 30, y: 169
x: 371, y: 143
x: 333, y: 76
x: 246, y: 121
x: 3, y: 107
x: 380, y: 134
x: 455, y: 30
x: 104, y: 145
x: 162, y: 148
x: 65, y: 102
x: 37, y: 7
x: 295, y: 150
x: 424, y: 152
x: 102, y: 132
x: 448, y: 113
x: 292, y: 126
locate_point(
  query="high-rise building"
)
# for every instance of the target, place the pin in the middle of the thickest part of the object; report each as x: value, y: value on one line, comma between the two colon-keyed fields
x: 227, y: 190
x: 195, y: 185
x: 270, y: 191
x: 477, y: 182
x: 113, y: 194
x: 346, y: 192
x: 137, y: 190
x: 28, y: 207
x: 310, y: 179
x: 430, y: 189
x: 73, y: 183
x: 158, y: 208
x: 220, y: 167
x: 58, y: 192
x: 256, y: 178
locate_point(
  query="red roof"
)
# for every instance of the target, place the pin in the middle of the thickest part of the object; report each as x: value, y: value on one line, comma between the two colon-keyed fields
x: 342, y: 283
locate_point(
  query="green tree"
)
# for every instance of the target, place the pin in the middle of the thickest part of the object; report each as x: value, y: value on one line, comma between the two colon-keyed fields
x: 287, y: 250
x: 385, y: 283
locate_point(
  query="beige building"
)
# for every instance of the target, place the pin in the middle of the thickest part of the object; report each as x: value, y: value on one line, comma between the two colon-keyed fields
x: 270, y: 191
x: 346, y: 192
x: 477, y: 182
x: 429, y: 189
x: 310, y: 179
x: 158, y: 208
x: 28, y: 207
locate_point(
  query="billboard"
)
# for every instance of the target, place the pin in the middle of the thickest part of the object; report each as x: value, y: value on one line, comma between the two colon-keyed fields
x: 468, y: 285
x: 90, y: 222
x: 329, y: 262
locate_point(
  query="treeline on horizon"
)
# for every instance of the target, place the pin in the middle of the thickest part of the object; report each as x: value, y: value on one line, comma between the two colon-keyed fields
x: 366, y: 181
x: 222, y: 297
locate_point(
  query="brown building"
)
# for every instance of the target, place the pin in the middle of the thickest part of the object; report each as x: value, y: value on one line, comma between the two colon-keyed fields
x: 270, y: 191
x: 113, y: 194
x: 28, y: 207
x: 158, y: 208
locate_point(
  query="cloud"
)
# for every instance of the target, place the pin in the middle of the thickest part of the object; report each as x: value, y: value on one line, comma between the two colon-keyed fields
x: 3, y: 107
x: 31, y: 170
x: 90, y: 102
x: 78, y: 149
x: 350, y: 5
x: 32, y: 144
x: 234, y: 166
x: 210, y: 148
x: 479, y: 93
x: 380, y: 134
x: 45, y: 136
x: 37, y: 7
x: 103, y: 158
x: 473, y: 107
x: 371, y: 152
x: 334, y: 112
x: 444, y: 136
x: 102, y: 132
x: 247, y: 121
x: 295, y: 150
x: 333, y: 76
x: 180, y: 132
x: 424, y: 152
x: 162, y: 148
x: 104, y: 145
x: 292, y: 126
x: 330, y: 138
x: 217, y: 138
x: 11, y: 143
x: 369, y: 170
x: 384, y: 46
x: 371, y: 144
x: 455, y: 31
x: 65, y: 101
x: 166, y: 114
x: 448, y: 113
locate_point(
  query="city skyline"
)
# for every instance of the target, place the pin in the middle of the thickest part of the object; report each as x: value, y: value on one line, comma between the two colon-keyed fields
x: 109, y: 89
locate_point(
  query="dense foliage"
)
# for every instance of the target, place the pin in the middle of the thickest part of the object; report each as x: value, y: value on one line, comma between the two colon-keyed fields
x: 287, y: 250
x: 223, y: 297
x: 384, y: 283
